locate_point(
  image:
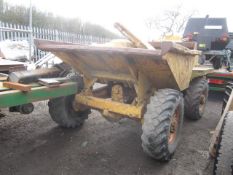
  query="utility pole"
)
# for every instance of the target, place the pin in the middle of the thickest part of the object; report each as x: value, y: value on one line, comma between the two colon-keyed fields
x: 30, y: 28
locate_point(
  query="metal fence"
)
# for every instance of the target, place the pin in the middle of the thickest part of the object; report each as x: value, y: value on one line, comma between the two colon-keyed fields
x: 17, y: 32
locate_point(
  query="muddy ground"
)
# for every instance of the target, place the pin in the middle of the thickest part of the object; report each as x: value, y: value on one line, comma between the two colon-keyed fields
x: 34, y: 145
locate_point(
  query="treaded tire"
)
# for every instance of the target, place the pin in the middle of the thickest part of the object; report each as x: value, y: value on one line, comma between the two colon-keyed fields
x: 224, y: 159
x: 156, y: 127
x: 195, y: 98
x: 61, y: 108
x: 227, y: 93
x: 62, y: 112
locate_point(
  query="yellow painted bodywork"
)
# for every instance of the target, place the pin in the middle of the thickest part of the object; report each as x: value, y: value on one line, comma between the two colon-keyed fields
x: 200, y: 71
x: 145, y: 71
x: 175, y: 38
x: 181, y: 75
x: 111, y: 106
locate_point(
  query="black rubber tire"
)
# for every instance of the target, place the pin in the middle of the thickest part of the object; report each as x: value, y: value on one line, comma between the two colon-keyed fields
x: 217, y: 63
x: 227, y: 93
x: 61, y: 109
x: 224, y: 159
x: 62, y: 112
x: 156, y: 125
x: 64, y: 69
x: 193, y: 95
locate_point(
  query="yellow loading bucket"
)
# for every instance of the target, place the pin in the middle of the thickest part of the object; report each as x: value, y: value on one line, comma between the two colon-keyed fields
x: 169, y: 66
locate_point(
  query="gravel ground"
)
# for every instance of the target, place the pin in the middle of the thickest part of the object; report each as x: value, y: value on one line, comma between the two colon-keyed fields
x: 34, y: 145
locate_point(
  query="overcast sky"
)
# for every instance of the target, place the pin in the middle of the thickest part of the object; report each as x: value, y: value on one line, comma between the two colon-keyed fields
x: 131, y: 13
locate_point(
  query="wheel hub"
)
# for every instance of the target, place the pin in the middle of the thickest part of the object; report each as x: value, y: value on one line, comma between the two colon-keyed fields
x: 202, y: 103
x: 174, y: 126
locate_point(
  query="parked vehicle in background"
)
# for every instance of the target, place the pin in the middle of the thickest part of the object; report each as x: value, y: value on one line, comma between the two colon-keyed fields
x: 219, y: 80
x: 211, y: 35
x: 230, y: 43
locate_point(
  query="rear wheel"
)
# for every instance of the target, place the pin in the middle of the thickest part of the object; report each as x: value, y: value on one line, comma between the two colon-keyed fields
x: 62, y: 112
x: 61, y: 109
x: 224, y: 160
x: 195, y: 98
x: 162, y: 125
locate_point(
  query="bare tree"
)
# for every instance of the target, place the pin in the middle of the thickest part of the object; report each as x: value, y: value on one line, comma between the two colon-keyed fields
x: 172, y: 22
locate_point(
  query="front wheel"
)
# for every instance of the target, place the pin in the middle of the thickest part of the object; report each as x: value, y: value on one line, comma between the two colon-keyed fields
x: 162, y: 125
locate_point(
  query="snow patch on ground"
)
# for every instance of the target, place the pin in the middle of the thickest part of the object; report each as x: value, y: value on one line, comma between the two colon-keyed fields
x: 15, y: 50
